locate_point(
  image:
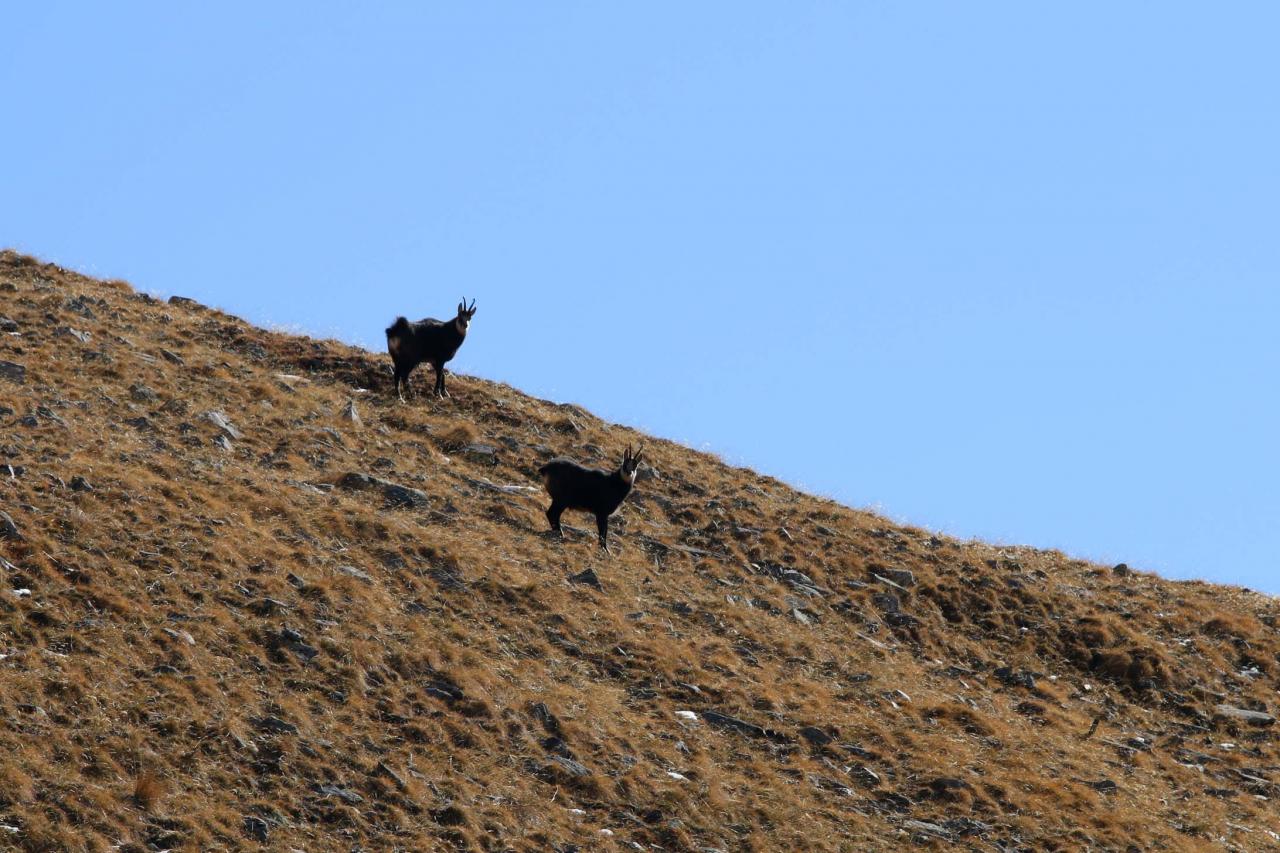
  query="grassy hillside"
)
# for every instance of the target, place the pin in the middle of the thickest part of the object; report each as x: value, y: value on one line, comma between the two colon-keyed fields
x: 251, y: 599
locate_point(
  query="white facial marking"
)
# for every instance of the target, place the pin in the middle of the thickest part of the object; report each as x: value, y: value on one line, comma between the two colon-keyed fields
x: 394, y: 345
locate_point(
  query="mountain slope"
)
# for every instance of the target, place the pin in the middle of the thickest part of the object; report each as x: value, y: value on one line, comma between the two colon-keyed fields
x: 236, y: 615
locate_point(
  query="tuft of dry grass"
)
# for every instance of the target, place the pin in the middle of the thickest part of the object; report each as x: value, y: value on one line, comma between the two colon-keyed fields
x: 148, y: 790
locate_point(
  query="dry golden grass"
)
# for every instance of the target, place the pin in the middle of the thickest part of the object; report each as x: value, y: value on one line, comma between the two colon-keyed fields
x: 221, y: 643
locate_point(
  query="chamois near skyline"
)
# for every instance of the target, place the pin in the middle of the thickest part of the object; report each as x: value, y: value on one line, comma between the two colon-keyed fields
x: 574, y: 486
x: 430, y: 340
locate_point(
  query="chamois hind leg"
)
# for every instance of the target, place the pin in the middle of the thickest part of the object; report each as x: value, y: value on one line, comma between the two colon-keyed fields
x: 553, y: 515
x: 602, y: 526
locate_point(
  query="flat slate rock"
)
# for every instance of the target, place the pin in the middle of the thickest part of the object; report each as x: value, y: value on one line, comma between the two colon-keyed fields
x: 1244, y: 715
x: 395, y: 494
x: 13, y: 371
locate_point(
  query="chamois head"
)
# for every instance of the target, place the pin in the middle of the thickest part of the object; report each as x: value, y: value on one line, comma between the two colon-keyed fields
x: 464, y: 315
x: 629, y: 464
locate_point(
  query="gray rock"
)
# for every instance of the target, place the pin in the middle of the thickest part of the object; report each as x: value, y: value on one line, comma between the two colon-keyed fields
x: 1121, y: 569
x: 219, y: 420
x: 587, y: 577
x: 920, y: 827
x: 816, y: 736
x: 349, y: 413
x: 171, y: 357
x: 568, y: 765
x: 902, y: 578
x: 142, y: 393
x: 182, y: 300
x: 485, y: 454
x: 885, y: 602
x: 140, y: 423
x: 7, y: 325
x: 1016, y: 677
x: 1244, y: 715
x: 864, y: 776
x: 222, y: 442
x: 275, y: 726
x: 353, y: 572
x: 394, y: 493
x: 8, y: 530
x: 724, y: 721
x: 13, y: 371
x: 68, y: 332
x: 346, y: 795
x: 255, y: 827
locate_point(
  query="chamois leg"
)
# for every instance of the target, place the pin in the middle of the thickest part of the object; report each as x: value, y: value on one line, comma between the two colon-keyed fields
x: 553, y: 515
x: 440, y: 392
x: 402, y: 383
x: 602, y: 526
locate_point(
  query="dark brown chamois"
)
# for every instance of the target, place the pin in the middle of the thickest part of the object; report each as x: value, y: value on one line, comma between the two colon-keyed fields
x: 573, y: 486
x: 429, y: 340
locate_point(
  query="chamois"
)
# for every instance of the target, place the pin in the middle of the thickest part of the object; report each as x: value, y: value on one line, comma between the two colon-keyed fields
x: 573, y: 486
x: 429, y: 340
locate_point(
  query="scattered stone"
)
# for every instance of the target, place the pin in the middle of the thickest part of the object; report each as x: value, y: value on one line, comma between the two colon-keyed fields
x: 8, y: 530
x: 174, y: 407
x: 901, y: 578
x: 358, y: 574
x: 381, y: 769
x: 142, y: 393
x: 219, y: 420
x: 68, y: 332
x: 1103, y: 786
x: 294, y: 642
x: 80, y: 305
x: 140, y: 423
x: 1121, y: 569
x: 183, y: 300
x: 223, y: 443
x: 29, y: 421
x: 184, y: 636
x: 587, y: 577
x: 864, y: 776
x: 886, y: 602
x: 347, y: 796
x: 395, y: 494
x: 485, y: 454
x: 569, y: 766
x: 1016, y: 678
x: 1243, y: 715
x: 7, y: 325
x: 275, y: 726
x: 920, y: 827
x: 256, y: 828
x: 171, y: 357
x: 13, y: 371
x: 724, y: 721
x: 816, y: 736
x: 349, y: 413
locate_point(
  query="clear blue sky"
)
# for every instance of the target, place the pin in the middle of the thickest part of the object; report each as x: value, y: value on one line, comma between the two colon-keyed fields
x: 1007, y: 270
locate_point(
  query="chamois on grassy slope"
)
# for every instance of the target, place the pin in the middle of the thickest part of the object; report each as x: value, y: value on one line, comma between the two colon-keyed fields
x: 573, y: 486
x: 429, y: 340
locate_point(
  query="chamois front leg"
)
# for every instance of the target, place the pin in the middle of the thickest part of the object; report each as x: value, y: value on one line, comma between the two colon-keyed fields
x: 602, y: 526
x: 553, y: 515
x: 440, y: 391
